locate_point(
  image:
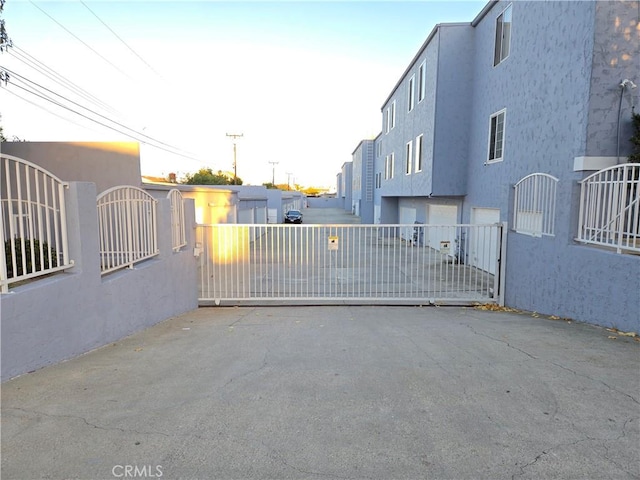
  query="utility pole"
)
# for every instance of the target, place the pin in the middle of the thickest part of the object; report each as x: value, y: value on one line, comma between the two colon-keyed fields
x: 273, y: 173
x: 235, y: 136
x: 288, y: 180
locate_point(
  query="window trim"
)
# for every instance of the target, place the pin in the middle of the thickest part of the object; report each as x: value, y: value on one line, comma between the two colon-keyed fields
x: 411, y: 97
x: 393, y: 114
x: 418, y: 153
x: 422, y: 81
x: 502, y: 112
x: 498, y: 57
x: 387, y: 126
x: 408, y: 157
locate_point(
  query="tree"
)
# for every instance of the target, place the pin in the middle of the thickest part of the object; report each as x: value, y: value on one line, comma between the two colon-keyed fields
x: 635, y: 140
x: 205, y: 176
x: 5, y: 43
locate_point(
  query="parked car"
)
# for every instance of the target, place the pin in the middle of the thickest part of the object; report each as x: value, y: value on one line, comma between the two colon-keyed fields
x: 293, y: 216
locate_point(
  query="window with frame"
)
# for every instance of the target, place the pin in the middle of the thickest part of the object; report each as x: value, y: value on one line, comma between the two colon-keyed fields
x: 392, y: 165
x: 386, y: 167
x: 422, y: 81
x: 411, y: 93
x: 496, y: 136
x: 503, y: 36
x: 408, y: 153
x: 418, y: 154
x: 393, y: 114
x: 379, y: 149
x: 387, y: 121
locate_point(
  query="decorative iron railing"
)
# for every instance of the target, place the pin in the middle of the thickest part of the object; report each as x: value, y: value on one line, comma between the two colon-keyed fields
x: 178, y: 232
x: 33, y: 223
x: 535, y: 204
x: 610, y: 208
x: 127, y: 222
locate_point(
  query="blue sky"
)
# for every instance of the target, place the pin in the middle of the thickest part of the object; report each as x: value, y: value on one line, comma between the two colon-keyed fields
x: 303, y: 81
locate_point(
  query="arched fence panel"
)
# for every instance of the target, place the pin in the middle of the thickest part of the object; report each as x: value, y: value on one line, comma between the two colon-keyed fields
x: 610, y: 208
x: 127, y: 223
x: 33, y: 223
x: 178, y: 232
x: 535, y: 205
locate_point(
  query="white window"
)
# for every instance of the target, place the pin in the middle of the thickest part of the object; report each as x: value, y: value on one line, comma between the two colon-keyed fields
x: 389, y: 166
x: 411, y: 94
x: 496, y: 136
x: 418, y: 153
x: 387, y: 123
x: 503, y: 36
x: 393, y: 114
x: 422, y: 81
x: 379, y: 149
x: 408, y: 153
x: 535, y: 204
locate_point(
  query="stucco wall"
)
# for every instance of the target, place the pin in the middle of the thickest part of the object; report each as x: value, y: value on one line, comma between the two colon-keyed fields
x: 615, y: 57
x: 544, y: 84
x: 67, y: 314
x: 107, y: 164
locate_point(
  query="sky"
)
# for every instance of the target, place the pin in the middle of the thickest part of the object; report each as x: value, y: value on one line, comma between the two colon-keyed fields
x: 302, y: 81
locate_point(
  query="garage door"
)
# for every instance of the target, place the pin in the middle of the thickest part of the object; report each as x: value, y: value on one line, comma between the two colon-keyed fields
x: 479, y: 254
x: 442, y: 215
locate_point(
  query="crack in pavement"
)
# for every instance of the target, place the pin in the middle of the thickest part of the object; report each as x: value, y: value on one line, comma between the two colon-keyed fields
x: 596, y: 380
x: 87, y: 422
x: 501, y: 341
x: 249, y: 372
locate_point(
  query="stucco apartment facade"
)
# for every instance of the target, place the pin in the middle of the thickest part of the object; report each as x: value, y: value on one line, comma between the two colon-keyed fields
x: 525, y: 88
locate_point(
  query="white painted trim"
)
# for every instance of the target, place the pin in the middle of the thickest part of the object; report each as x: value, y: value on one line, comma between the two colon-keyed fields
x: 594, y: 163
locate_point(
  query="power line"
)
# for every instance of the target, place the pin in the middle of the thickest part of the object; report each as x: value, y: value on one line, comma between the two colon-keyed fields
x: 80, y: 40
x: 119, y: 38
x: 40, y: 67
x: 26, y: 80
x: 128, y: 134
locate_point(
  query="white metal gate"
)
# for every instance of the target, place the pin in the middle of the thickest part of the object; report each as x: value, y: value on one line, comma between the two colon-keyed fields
x: 348, y: 264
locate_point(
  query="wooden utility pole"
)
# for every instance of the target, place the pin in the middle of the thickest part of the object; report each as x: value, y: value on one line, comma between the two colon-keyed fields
x: 273, y: 173
x: 235, y: 136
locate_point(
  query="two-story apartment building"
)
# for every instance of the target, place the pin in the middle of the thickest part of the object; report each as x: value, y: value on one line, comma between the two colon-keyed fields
x: 534, y: 94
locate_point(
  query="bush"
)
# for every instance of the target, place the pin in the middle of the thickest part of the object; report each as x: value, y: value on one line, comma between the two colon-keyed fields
x: 32, y: 266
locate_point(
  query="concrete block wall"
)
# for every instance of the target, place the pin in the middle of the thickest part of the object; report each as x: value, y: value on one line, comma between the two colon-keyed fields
x: 65, y: 315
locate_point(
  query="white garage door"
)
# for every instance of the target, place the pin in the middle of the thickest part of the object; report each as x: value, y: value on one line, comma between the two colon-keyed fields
x: 483, y: 251
x: 442, y: 215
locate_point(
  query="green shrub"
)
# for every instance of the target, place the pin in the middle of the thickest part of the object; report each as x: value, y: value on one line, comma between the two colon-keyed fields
x: 32, y: 264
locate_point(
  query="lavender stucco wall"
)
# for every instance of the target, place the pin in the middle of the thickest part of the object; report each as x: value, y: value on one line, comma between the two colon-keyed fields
x: 67, y: 314
x: 547, y: 86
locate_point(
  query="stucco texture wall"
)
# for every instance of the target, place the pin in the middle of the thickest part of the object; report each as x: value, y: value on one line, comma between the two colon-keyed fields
x: 70, y: 313
x: 546, y: 86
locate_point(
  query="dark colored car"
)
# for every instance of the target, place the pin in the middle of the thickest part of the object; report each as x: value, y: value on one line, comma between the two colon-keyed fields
x: 293, y: 216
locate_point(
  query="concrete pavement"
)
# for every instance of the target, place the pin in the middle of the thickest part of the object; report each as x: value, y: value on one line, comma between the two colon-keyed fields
x: 334, y: 393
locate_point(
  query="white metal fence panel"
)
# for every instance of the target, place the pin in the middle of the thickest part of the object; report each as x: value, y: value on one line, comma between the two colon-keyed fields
x: 364, y: 264
x: 127, y: 222
x: 178, y: 232
x: 535, y: 204
x: 610, y: 208
x: 33, y: 223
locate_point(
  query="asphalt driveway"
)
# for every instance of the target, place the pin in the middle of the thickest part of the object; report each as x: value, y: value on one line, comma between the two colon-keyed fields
x: 335, y: 393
